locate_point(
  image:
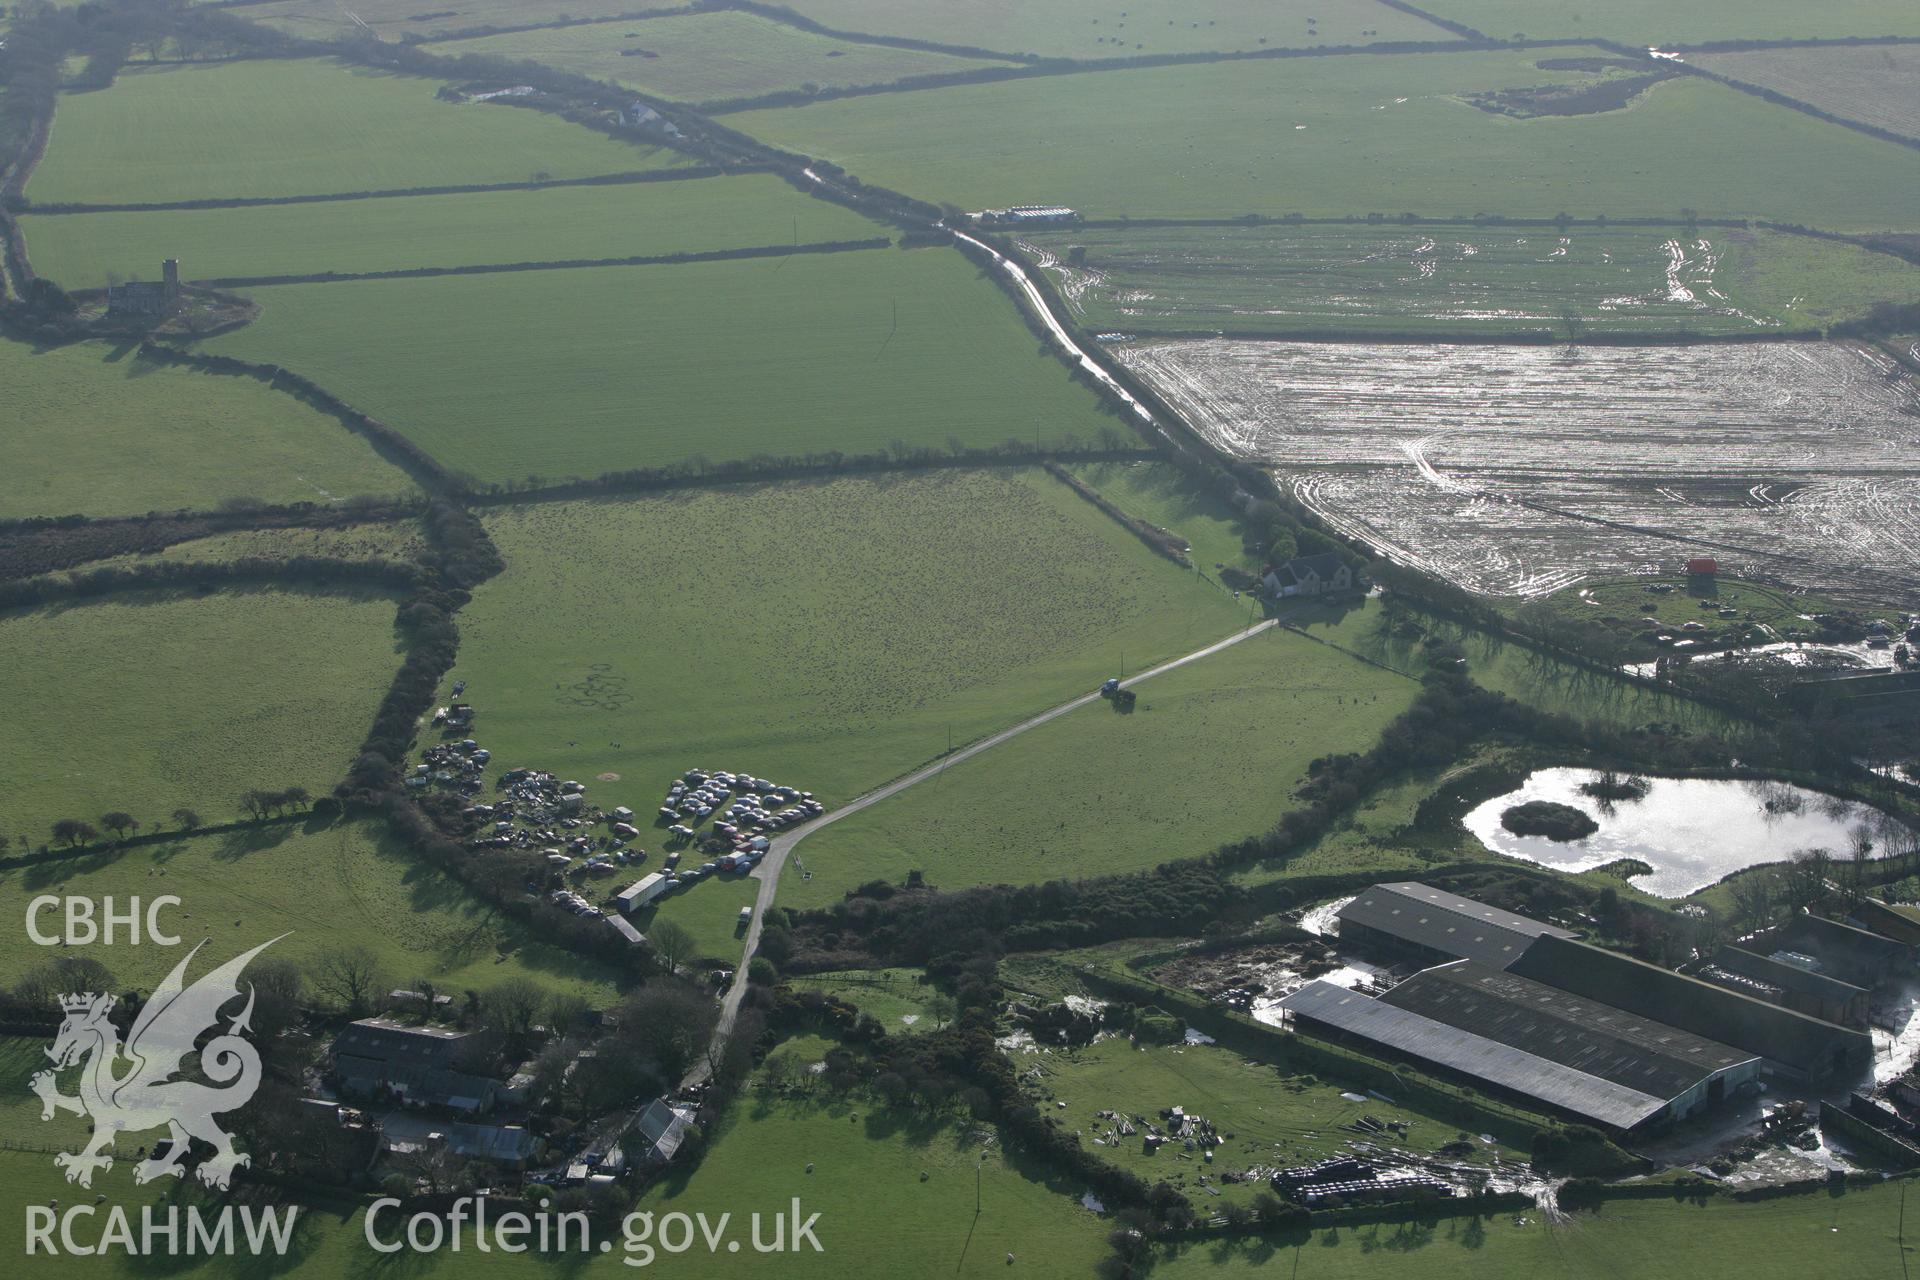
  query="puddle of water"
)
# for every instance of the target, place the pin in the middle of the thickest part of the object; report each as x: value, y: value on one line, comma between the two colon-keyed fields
x: 1860, y: 657
x: 1284, y: 982
x: 1691, y: 831
x: 1325, y: 918
x: 1896, y: 1036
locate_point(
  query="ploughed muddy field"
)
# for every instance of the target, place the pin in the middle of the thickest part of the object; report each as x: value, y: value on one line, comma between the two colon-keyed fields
x: 1519, y: 470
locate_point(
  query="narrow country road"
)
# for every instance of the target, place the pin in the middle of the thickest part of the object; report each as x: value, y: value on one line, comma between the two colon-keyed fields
x: 768, y: 873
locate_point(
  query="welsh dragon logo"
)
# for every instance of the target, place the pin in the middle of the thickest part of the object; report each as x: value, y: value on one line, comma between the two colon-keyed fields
x: 134, y: 1087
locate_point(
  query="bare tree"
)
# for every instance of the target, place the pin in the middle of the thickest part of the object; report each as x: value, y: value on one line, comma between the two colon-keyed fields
x: 1809, y: 878
x: 351, y: 978
x: 119, y: 822
x: 513, y: 1007
x: 668, y: 1023
x: 672, y: 944
x: 1753, y: 898
x: 186, y: 819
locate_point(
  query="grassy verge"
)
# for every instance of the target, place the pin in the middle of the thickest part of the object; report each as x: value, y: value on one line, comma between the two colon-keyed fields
x: 1164, y: 495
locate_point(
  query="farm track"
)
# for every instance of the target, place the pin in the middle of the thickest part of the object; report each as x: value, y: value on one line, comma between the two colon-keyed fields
x: 768, y: 873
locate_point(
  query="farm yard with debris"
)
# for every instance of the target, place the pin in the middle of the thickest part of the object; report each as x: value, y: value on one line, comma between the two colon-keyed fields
x: 1791, y: 460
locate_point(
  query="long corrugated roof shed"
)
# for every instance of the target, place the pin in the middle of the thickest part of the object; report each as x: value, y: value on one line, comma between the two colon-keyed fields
x: 1790, y: 977
x: 1447, y: 922
x: 1516, y: 1070
x: 1639, y: 1053
x: 1778, y: 1034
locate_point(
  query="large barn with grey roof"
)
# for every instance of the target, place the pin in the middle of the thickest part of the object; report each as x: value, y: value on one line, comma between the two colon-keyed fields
x: 1524, y: 1009
x: 1418, y: 922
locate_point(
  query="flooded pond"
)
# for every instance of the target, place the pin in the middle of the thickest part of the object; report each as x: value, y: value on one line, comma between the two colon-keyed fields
x: 1691, y: 831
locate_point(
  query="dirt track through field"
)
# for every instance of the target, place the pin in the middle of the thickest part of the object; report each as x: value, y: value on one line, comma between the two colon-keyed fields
x: 768, y: 873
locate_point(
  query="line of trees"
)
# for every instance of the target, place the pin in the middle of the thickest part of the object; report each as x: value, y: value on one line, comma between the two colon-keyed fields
x: 1108, y: 444
x: 165, y: 575
x: 420, y: 466
x: 256, y: 804
x: 21, y: 204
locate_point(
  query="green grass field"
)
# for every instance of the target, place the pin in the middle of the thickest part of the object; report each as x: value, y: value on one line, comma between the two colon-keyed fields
x: 284, y: 128
x: 555, y: 225
x: 1651, y: 22
x: 896, y: 1194
x: 131, y: 436
x: 1460, y: 278
x: 147, y: 703
x: 1212, y: 752
x: 826, y: 635
x: 331, y: 888
x: 709, y: 910
x: 619, y: 371
x: 1784, y: 1239
x: 900, y: 1000
x: 391, y: 19
x: 1275, y: 1118
x: 710, y: 57
x: 1340, y: 136
x: 1163, y: 495
x: 1126, y: 28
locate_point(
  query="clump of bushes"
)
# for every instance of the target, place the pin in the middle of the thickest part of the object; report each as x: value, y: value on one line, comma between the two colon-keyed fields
x: 1550, y: 819
x: 1613, y: 786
